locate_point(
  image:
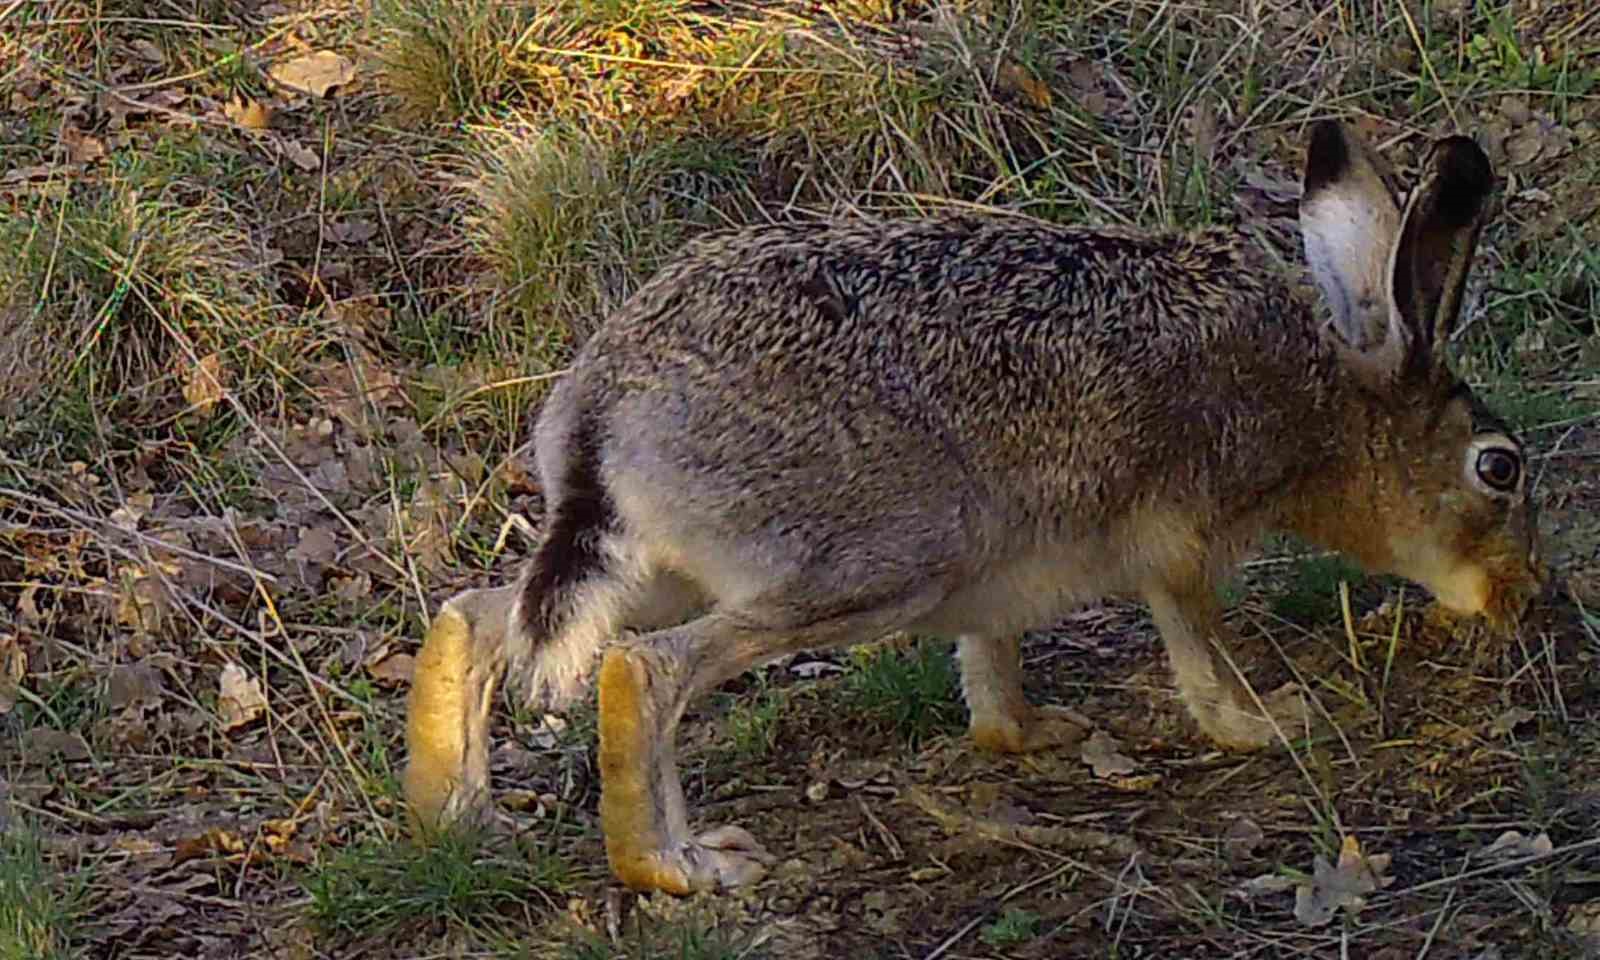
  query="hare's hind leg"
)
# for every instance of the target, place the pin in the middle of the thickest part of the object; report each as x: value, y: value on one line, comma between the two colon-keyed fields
x: 1002, y: 719
x: 1227, y: 710
x: 646, y: 682
x: 447, y: 718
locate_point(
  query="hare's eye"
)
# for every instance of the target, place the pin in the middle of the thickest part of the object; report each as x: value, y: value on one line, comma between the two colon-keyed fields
x: 1500, y: 469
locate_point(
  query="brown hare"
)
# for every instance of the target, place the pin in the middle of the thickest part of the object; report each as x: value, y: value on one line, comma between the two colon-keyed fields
x: 799, y: 436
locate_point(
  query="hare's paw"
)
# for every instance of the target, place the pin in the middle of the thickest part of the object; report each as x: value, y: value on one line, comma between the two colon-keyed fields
x: 719, y: 859
x: 1242, y: 727
x: 447, y: 772
x: 1041, y: 728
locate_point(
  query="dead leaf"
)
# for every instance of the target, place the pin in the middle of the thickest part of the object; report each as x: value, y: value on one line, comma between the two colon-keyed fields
x: 241, y: 699
x: 13, y: 664
x: 1343, y: 886
x: 41, y: 742
x: 203, y: 384
x: 317, y: 545
x: 1100, y: 752
x: 81, y: 147
x: 1510, y: 720
x: 395, y: 670
x: 213, y: 841
x: 1511, y: 845
x: 1240, y: 840
x: 133, y: 510
x: 301, y: 156
x: 1583, y: 919
x: 1266, y: 883
x: 132, y: 683
x: 352, y: 231
x: 247, y: 112
x: 315, y: 73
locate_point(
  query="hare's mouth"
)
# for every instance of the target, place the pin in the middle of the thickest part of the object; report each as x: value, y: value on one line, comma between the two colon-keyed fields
x: 1511, y: 590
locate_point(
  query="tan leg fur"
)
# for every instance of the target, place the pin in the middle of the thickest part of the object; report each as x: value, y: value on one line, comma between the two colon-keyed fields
x: 1002, y: 719
x: 1191, y: 626
x: 642, y: 811
x: 447, y: 723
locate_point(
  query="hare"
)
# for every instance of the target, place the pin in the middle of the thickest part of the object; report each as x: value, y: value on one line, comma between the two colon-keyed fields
x: 799, y: 436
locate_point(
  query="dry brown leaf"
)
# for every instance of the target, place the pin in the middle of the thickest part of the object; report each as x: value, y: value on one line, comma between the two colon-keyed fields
x: 240, y: 699
x: 13, y: 665
x: 203, y: 384
x: 1342, y: 886
x: 213, y: 841
x: 81, y: 147
x: 42, y: 742
x: 147, y: 50
x: 302, y: 156
x: 394, y: 670
x: 1241, y: 839
x: 133, y: 510
x: 1583, y: 919
x: 247, y: 112
x: 132, y: 683
x: 1511, y: 845
x: 1100, y: 752
x: 314, y: 73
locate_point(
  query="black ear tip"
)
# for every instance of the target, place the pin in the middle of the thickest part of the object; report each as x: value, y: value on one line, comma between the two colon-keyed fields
x: 1327, y: 155
x: 1465, y: 177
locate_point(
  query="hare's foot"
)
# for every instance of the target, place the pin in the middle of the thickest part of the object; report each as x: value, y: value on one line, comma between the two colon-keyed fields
x: 1002, y: 719
x: 1241, y: 726
x: 1039, y: 728
x: 718, y: 859
x: 447, y: 715
x: 1230, y: 714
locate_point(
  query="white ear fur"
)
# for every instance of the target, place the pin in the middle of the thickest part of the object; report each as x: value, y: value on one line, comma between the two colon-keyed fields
x: 1349, y: 222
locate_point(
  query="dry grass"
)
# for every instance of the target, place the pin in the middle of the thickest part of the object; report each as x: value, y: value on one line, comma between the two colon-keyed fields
x: 266, y: 388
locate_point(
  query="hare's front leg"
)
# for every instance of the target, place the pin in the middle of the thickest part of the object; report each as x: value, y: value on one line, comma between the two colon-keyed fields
x: 1001, y: 718
x: 1191, y: 626
x: 447, y: 716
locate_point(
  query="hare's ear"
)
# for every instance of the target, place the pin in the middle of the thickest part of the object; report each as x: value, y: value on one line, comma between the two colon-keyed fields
x: 1349, y: 221
x: 1433, y: 255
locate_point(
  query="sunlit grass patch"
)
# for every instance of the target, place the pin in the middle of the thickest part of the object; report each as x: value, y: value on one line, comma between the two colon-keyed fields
x: 130, y: 296
x: 914, y: 692
x: 377, y: 887
x: 447, y: 59
x: 41, y: 910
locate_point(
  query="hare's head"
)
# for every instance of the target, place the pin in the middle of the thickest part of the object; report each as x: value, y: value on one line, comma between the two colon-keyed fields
x: 1447, y: 481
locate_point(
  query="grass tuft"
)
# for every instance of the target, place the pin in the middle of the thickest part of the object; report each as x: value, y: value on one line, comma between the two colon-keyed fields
x: 913, y: 692
x: 40, y: 909
x: 379, y: 887
x: 445, y: 60
x: 1311, y: 594
x: 120, y: 291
